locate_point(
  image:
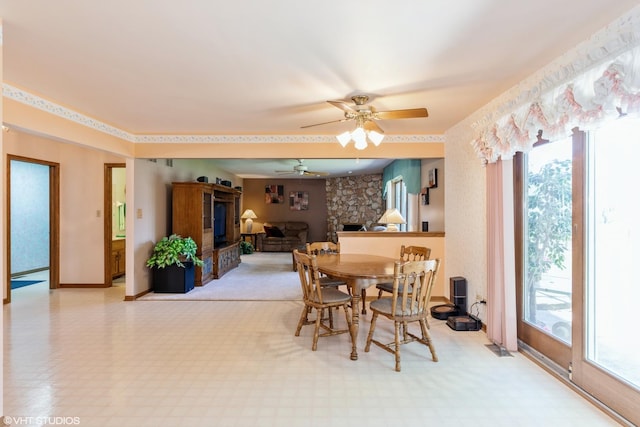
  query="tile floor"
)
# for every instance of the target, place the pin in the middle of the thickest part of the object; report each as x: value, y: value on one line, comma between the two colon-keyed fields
x: 85, y: 353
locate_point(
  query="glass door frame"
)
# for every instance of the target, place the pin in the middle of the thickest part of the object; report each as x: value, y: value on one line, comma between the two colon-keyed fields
x: 572, y: 359
x: 614, y: 393
x: 557, y: 351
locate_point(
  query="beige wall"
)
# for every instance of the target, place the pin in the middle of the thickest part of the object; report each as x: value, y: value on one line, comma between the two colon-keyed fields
x: 81, y: 201
x: 316, y: 216
x: 466, y: 212
x: 434, y: 211
x: 82, y: 198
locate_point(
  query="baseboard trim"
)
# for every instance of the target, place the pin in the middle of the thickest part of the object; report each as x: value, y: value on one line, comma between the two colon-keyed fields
x: 136, y: 296
x: 83, y: 285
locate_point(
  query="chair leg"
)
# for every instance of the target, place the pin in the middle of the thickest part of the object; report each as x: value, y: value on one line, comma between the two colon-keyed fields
x: 427, y: 338
x: 316, y: 332
x: 371, y: 329
x: 364, y: 301
x: 397, y: 342
x: 303, y: 319
x: 330, y: 317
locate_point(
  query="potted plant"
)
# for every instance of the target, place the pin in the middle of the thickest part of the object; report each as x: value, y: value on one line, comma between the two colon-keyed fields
x: 173, y: 262
x: 246, y: 247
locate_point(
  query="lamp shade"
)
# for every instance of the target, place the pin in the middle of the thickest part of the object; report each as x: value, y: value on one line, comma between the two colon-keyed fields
x: 249, y: 214
x: 391, y: 217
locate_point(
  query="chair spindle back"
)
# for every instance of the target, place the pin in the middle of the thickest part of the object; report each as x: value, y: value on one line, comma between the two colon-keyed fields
x: 420, y: 276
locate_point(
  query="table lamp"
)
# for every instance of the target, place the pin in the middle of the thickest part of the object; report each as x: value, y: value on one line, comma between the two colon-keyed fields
x: 391, y: 217
x: 249, y: 216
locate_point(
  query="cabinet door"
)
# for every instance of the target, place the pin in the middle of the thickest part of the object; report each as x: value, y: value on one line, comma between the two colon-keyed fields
x: 118, y: 258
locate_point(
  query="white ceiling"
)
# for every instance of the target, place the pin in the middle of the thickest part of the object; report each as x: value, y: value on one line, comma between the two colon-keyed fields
x: 267, y: 67
x: 270, y: 168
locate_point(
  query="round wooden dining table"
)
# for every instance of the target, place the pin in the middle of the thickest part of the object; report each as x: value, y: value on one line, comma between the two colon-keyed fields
x: 360, y: 271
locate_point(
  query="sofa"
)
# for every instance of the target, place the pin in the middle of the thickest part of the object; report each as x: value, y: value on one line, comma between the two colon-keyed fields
x: 282, y: 236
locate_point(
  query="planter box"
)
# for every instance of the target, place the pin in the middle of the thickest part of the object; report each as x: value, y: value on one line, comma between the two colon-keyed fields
x: 174, y: 279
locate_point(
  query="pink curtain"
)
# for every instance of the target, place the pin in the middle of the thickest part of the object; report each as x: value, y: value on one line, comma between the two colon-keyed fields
x: 501, y: 286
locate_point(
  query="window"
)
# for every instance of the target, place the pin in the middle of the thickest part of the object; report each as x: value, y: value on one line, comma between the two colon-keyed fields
x: 547, y: 243
x: 397, y: 198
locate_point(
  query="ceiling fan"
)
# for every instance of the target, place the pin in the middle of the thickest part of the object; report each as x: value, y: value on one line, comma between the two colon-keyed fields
x: 366, y: 115
x: 302, y: 170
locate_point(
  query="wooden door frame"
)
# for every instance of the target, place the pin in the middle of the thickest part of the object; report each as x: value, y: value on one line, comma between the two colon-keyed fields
x: 108, y: 215
x: 54, y: 220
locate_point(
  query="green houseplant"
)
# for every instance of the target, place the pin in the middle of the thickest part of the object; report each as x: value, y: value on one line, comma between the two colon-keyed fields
x: 173, y: 262
x: 246, y: 248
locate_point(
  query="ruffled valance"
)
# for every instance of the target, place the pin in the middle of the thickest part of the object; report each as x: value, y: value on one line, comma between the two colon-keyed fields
x: 606, y: 90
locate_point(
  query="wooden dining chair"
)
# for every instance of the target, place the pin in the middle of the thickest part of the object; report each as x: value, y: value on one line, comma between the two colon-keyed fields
x: 326, y: 248
x: 407, y: 253
x: 404, y: 308
x: 319, y: 298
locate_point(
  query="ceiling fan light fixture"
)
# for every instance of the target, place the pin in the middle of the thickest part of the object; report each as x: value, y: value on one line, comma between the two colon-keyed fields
x: 360, y: 144
x: 375, y: 137
x: 344, y: 138
x: 360, y: 138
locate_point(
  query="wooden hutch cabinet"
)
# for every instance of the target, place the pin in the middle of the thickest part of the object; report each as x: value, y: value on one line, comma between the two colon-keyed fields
x: 208, y: 213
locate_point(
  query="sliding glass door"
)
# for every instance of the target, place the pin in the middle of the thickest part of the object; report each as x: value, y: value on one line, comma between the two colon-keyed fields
x: 578, y: 242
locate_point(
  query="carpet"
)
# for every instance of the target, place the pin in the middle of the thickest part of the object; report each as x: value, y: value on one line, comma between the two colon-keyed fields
x: 261, y: 276
x: 15, y: 284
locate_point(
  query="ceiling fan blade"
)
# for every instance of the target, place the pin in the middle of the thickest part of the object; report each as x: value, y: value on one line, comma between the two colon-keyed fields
x: 325, y: 123
x: 371, y: 125
x: 285, y: 172
x: 343, y: 106
x: 316, y: 173
x: 402, y: 114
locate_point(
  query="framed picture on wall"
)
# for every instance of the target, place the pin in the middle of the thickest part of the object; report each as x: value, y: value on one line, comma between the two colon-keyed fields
x: 274, y: 194
x: 425, y: 196
x: 298, y: 200
x: 433, y: 178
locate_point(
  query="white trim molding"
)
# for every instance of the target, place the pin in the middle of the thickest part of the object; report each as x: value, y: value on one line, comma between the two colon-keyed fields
x: 35, y: 101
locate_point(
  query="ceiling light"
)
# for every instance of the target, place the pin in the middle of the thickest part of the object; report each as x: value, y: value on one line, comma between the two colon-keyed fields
x: 344, y: 138
x: 359, y: 136
x: 375, y: 137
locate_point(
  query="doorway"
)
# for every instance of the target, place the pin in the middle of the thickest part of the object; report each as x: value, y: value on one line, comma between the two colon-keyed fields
x: 114, y: 222
x: 49, y: 240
